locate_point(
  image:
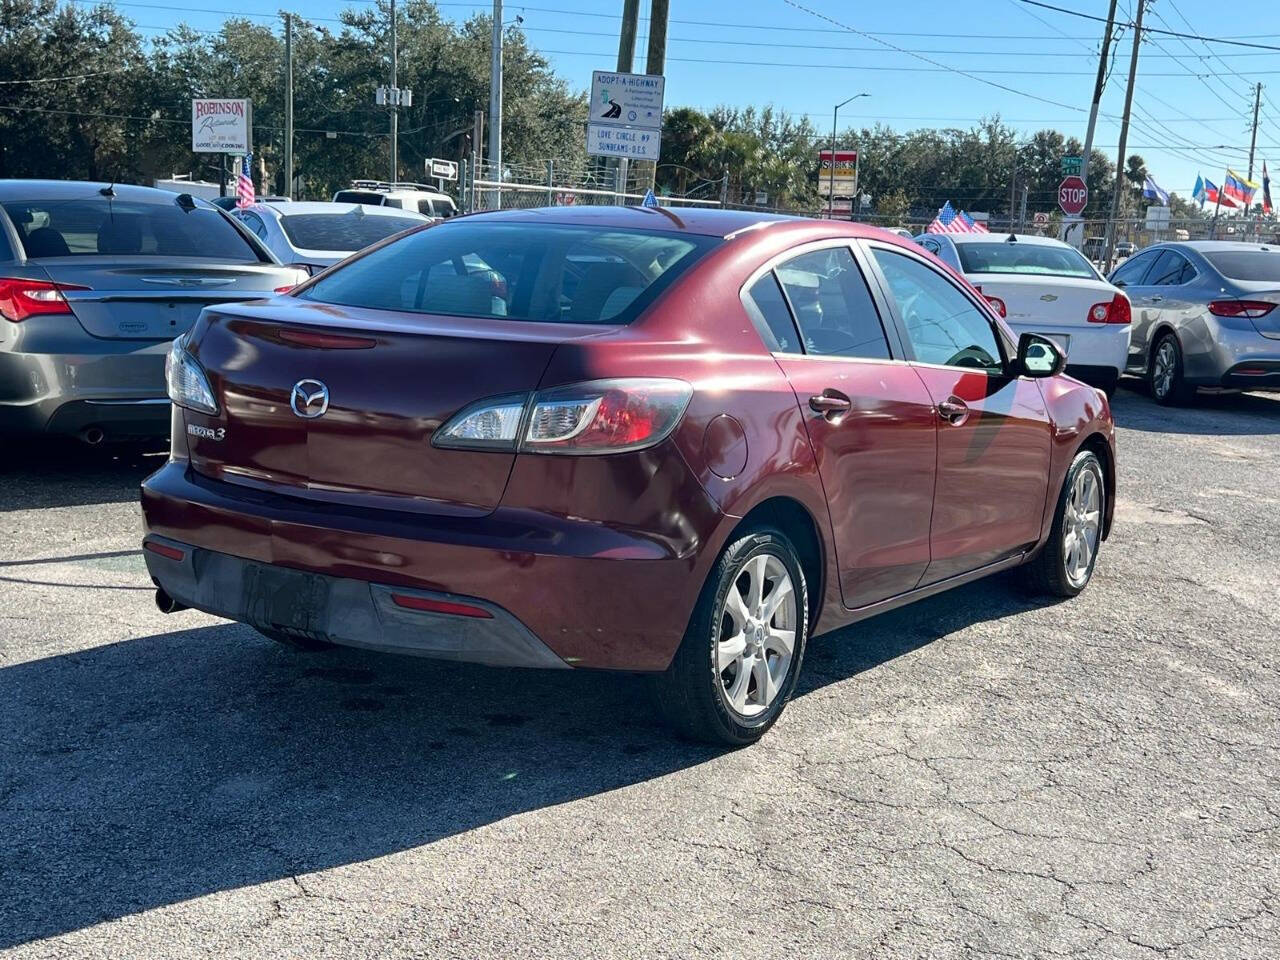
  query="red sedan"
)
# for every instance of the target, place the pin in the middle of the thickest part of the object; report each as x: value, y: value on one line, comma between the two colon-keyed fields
x: 655, y: 440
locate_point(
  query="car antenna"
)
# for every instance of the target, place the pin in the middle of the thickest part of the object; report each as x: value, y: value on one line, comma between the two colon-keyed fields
x: 1013, y: 237
x: 185, y: 201
x: 109, y: 190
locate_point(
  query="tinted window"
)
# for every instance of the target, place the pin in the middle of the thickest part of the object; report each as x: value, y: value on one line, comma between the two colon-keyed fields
x: 1168, y: 269
x: 832, y: 306
x: 943, y: 325
x: 1247, y: 264
x: 341, y: 231
x: 1033, y: 258
x: 253, y: 222
x: 548, y: 273
x: 933, y: 246
x: 424, y: 208
x: 124, y: 228
x: 360, y: 196
x: 779, y: 332
x: 1132, y: 271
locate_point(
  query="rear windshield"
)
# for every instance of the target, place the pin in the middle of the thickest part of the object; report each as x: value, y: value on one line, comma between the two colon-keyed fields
x: 341, y: 231
x: 360, y: 196
x: 1048, y: 261
x: 544, y: 273
x: 100, y: 226
x: 1247, y: 264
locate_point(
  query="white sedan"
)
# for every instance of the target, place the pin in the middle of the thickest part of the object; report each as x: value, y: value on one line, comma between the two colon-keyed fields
x: 318, y: 235
x: 1047, y: 287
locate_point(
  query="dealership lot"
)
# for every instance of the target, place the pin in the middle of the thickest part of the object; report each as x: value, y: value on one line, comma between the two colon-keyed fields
x: 976, y: 775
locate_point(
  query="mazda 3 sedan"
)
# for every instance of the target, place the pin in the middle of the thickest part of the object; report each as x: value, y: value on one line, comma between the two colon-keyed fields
x: 679, y: 442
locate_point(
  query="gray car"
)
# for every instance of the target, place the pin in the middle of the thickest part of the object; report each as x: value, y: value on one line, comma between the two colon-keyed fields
x: 1204, y: 315
x: 96, y: 280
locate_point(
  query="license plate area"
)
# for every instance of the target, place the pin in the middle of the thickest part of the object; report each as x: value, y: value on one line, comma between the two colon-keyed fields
x: 290, y: 600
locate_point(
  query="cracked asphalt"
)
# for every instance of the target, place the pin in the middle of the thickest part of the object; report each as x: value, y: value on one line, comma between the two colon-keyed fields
x: 979, y: 775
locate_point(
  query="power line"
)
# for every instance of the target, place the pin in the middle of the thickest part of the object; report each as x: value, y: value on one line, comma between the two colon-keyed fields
x: 1167, y: 33
x: 74, y: 76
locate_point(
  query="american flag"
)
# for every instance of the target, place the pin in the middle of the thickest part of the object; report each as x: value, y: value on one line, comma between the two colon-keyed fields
x: 951, y: 220
x: 244, y: 182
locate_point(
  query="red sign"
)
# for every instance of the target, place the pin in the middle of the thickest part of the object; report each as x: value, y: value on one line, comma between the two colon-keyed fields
x: 1072, y: 195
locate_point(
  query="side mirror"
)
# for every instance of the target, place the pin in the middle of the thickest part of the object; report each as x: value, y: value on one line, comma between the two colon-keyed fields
x: 1121, y: 284
x: 1039, y: 356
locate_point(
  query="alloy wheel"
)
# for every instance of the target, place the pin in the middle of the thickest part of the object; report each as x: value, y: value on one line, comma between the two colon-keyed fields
x: 1082, y: 525
x: 1165, y: 363
x: 757, y: 635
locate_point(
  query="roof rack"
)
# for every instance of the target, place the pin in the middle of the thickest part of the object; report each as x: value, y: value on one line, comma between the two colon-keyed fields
x: 388, y: 186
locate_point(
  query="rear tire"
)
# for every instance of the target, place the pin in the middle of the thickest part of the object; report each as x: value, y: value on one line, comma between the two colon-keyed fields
x: 1057, y: 571
x: 738, y: 663
x: 1165, y: 374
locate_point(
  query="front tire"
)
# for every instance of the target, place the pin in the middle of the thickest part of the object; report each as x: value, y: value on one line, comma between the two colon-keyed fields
x: 738, y: 663
x: 1165, y: 374
x: 1065, y: 564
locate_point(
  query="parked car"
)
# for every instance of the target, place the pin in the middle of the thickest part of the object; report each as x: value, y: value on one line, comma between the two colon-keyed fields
x: 318, y: 235
x: 1204, y: 315
x: 229, y: 203
x: 96, y: 280
x: 1044, y: 286
x: 1125, y: 248
x: 608, y: 437
x: 417, y: 197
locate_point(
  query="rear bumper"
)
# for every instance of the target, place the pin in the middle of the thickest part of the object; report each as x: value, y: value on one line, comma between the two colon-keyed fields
x: 591, y: 594
x: 1253, y: 375
x: 1091, y: 345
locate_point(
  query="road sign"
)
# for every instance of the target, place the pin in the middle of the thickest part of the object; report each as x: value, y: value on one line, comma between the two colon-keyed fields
x: 1071, y: 166
x: 442, y: 169
x: 606, y: 140
x: 1072, y: 195
x: 846, y: 172
x: 222, y: 126
x: 1041, y: 219
x: 627, y: 99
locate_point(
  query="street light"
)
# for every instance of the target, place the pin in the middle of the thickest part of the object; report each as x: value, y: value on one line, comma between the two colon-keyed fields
x: 831, y: 192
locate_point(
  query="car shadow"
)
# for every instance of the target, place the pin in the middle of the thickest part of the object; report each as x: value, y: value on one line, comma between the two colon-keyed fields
x: 160, y: 769
x: 1208, y: 414
x: 41, y: 473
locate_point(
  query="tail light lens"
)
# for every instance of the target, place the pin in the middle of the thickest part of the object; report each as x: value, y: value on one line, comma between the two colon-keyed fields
x: 1115, y: 310
x: 597, y: 417
x: 188, y: 385
x: 1253, y: 309
x: 997, y: 304
x: 20, y: 299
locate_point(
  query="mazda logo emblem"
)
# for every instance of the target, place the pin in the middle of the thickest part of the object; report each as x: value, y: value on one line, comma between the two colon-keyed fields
x: 309, y: 399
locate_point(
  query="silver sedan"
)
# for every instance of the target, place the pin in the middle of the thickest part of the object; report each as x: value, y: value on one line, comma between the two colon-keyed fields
x: 1204, y: 315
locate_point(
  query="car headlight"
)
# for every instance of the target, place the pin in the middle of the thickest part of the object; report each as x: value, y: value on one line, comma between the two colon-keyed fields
x: 188, y: 385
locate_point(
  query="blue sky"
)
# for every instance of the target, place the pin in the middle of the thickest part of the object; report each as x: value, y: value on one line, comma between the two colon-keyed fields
x: 1193, y: 102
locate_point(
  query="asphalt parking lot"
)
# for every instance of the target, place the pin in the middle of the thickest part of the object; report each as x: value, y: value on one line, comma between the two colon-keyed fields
x: 976, y: 776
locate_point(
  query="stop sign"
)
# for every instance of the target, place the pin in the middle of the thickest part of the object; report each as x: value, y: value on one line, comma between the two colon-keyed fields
x: 1072, y: 195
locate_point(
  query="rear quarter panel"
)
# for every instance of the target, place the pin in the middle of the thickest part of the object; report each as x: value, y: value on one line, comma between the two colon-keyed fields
x: 1079, y: 414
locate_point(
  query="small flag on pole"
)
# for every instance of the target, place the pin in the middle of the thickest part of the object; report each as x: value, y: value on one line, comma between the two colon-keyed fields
x: 951, y: 220
x: 649, y: 199
x: 1238, y: 189
x: 1266, y: 189
x: 1198, y: 191
x: 1153, y: 191
x: 244, y: 182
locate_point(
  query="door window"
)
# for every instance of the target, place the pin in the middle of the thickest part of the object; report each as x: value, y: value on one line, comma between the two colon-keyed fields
x: 774, y: 317
x: 1133, y: 270
x: 1170, y: 269
x: 942, y: 324
x: 832, y: 305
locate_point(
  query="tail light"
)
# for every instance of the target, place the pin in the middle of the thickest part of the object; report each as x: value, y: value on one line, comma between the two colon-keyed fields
x: 186, y: 380
x: 1116, y: 310
x: 20, y: 299
x: 998, y: 305
x: 597, y: 417
x: 1252, y: 309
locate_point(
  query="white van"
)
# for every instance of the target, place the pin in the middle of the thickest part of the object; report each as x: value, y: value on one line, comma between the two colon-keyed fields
x: 417, y: 197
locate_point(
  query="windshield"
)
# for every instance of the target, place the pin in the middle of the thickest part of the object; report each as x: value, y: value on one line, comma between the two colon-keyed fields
x: 1255, y: 265
x: 341, y: 231
x: 100, y: 226
x: 547, y: 273
x: 1036, y: 259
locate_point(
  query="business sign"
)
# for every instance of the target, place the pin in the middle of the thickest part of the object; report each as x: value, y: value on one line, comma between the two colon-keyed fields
x: 845, y: 172
x: 222, y: 126
x: 1071, y: 166
x: 606, y: 140
x: 442, y: 169
x: 1072, y: 195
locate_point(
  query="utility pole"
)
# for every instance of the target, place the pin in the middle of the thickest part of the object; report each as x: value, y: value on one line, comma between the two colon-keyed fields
x: 395, y: 101
x: 495, y: 102
x: 626, y: 63
x: 656, y: 63
x: 1098, y: 86
x: 1253, y: 141
x: 1124, y: 139
x: 288, y: 105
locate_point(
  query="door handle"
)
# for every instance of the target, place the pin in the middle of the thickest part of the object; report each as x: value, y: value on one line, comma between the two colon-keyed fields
x: 1156, y: 298
x: 830, y: 403
x: 954, y: 410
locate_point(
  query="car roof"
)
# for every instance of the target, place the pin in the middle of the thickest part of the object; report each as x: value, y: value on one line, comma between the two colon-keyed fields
x: 86, y: 189
x: 1214, y: 246
x: 705, y: 221
x: 305, y: 207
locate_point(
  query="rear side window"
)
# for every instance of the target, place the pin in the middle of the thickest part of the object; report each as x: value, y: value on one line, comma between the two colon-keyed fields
x: 1255, y: 265
x: 779, y: 332
x: 123, y: 228
x: 549, y: 273
x: 341, y: 231
x: 832, y: 306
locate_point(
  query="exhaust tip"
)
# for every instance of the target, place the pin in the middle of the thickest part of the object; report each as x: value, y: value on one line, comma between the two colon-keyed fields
x: 166, y: 603
x: 93, y: 436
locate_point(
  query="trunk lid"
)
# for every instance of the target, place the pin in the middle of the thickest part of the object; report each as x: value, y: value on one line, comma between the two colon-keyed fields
x: 1264, y: 291
x: 1036, y: 303
x: 392, y: 381
x: 157, y: 299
